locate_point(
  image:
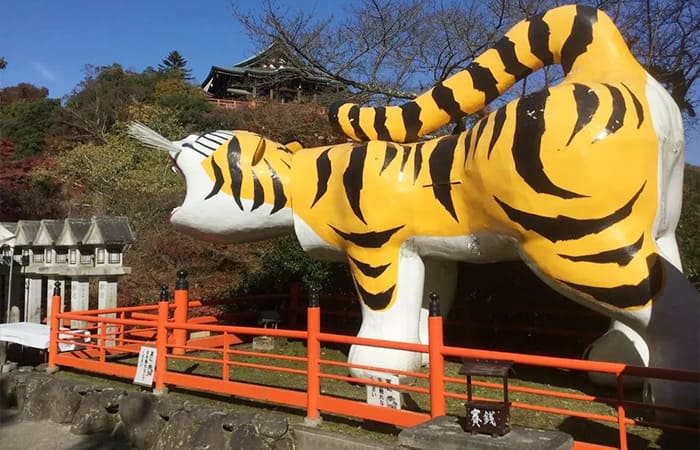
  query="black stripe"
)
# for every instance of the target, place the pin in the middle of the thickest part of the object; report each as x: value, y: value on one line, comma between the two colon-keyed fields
x: 280, y: 199
x: 284, y: 149
x: 586, y: 105
x: 617, y: 116
x: 202, y: 141
x: 620, y: 256
x: 188, y: 145
x: 380, y: 124
x: 467, y: 144
x: 285, y: 163
x: 527, y: 139
x: 218, y: 179
x: 480, y: 127
x: 389, y: 155
x: 499, y: 119
x: 333, y: 116
x: 629, y: 295
x: 404, y: 158
x: 258, y: 192
x: 323, y: 169
x: 353, y: 179
x: 377, y: 301
x: 445, y: 100
x: 581, y: 35
x: 410, y: 113
x: 354, y: 118
x: 538, y: 38
x: 484, y: 81
x: 637, y: 106
x: 216, y: 138
x: 563, y: 228
x: 234, y: 168
x: 368, y: 270
x: 506, y: 50
x: 417, y: 161
x: 372, y: 239
x: 440, y: 163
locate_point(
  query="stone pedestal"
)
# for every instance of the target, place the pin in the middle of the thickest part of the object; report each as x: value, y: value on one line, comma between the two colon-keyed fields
x: 107, y: 299
x: 33, y: 299
x: 446, y: 433
x: 79, y: 298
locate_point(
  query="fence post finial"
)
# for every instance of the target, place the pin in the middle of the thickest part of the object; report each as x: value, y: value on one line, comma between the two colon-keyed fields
x: 434, y: 308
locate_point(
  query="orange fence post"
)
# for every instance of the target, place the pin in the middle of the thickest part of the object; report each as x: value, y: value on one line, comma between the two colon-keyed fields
x: 181, y: 298
x: 103, y: 341
x: 313, y: 357
x: 437, y: 362
x: 621, y: 427
x: 225, y: 375
x: 161, y: 343
x: 54, y: 328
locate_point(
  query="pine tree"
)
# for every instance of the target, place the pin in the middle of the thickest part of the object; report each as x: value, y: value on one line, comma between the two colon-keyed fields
x: 175, y: 63
x: 3, y: 63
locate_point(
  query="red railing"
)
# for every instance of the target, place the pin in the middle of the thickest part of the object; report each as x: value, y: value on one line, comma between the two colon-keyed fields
x: 166, y: 327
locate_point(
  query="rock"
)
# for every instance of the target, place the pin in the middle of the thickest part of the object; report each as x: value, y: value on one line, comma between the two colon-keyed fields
x: 178, y: 432
x: 53, y: 399
x: 141, y: 421
x: 169, y: 406
x: 92, y: 417
x: 41, y: 367
x: 110, y: 398
x: 245, y: 437
x: 23, y: 386
x: 213, y: 434
x: 273, y: 426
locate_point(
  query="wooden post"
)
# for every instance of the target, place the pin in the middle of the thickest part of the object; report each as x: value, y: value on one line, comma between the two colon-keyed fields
x: 437, y: 363
x: 54, y: 328
x: 181, y: 298
x: 313, y: 358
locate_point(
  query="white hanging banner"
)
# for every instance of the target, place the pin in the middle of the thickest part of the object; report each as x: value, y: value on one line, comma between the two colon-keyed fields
x: 146, y: 366
x: 384, y: 396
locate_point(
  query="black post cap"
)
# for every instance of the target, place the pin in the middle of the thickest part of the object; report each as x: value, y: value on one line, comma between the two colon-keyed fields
x: 181, y: 283
x: 314, y: 301
x: 57, y: 289
x: 434, y: 308
x: 164, y: 293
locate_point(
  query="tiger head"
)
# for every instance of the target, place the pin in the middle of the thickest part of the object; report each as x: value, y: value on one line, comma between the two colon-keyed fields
x: 237, y: 183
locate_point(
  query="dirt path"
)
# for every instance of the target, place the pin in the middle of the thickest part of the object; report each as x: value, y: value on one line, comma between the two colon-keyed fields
x: 45, y: 435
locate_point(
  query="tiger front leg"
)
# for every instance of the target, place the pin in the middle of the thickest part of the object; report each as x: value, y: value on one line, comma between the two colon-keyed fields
x: 390, y: 284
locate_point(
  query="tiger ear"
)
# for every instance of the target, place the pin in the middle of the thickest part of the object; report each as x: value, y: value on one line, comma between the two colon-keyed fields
x: 259, y: 152
x: 294, y: 146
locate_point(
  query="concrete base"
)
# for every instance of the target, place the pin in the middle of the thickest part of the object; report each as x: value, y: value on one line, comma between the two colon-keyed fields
x: 307, y: 438
x: 268, y: 343
x: 446, y: 433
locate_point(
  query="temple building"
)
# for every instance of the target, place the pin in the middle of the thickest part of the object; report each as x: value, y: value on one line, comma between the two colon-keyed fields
x: 82, y: 255
x: 273, y: 74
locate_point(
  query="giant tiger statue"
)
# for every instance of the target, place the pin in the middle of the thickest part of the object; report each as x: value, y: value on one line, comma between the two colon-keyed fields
x: 581, y: 180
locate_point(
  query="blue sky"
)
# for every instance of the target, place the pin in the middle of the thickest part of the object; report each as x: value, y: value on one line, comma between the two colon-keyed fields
x: 48, y: 42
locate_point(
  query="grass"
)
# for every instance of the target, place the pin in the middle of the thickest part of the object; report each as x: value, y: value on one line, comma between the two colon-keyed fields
x: 598, y: 432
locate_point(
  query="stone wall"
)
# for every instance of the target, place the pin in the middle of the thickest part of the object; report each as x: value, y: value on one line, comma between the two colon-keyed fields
x: 140, y: 420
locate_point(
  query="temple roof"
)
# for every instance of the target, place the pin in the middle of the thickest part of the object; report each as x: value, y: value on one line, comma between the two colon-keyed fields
x: 276, y: 61
x: 109, y: 230
x: 26, y: 232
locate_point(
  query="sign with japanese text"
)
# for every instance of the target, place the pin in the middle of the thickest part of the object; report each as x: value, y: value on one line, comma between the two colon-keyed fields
x: 146, y: 366
x: 383, y: 396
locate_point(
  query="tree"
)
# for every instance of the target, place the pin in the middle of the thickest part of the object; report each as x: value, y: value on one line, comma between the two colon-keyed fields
x: 395, y: 49
x: 175, y: 64
x: 28, y: 124
x: 22, y: 91
x: 3, y: 63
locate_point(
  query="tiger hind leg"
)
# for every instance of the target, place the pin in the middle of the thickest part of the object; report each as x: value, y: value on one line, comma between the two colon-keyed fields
x: 663, y: 308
